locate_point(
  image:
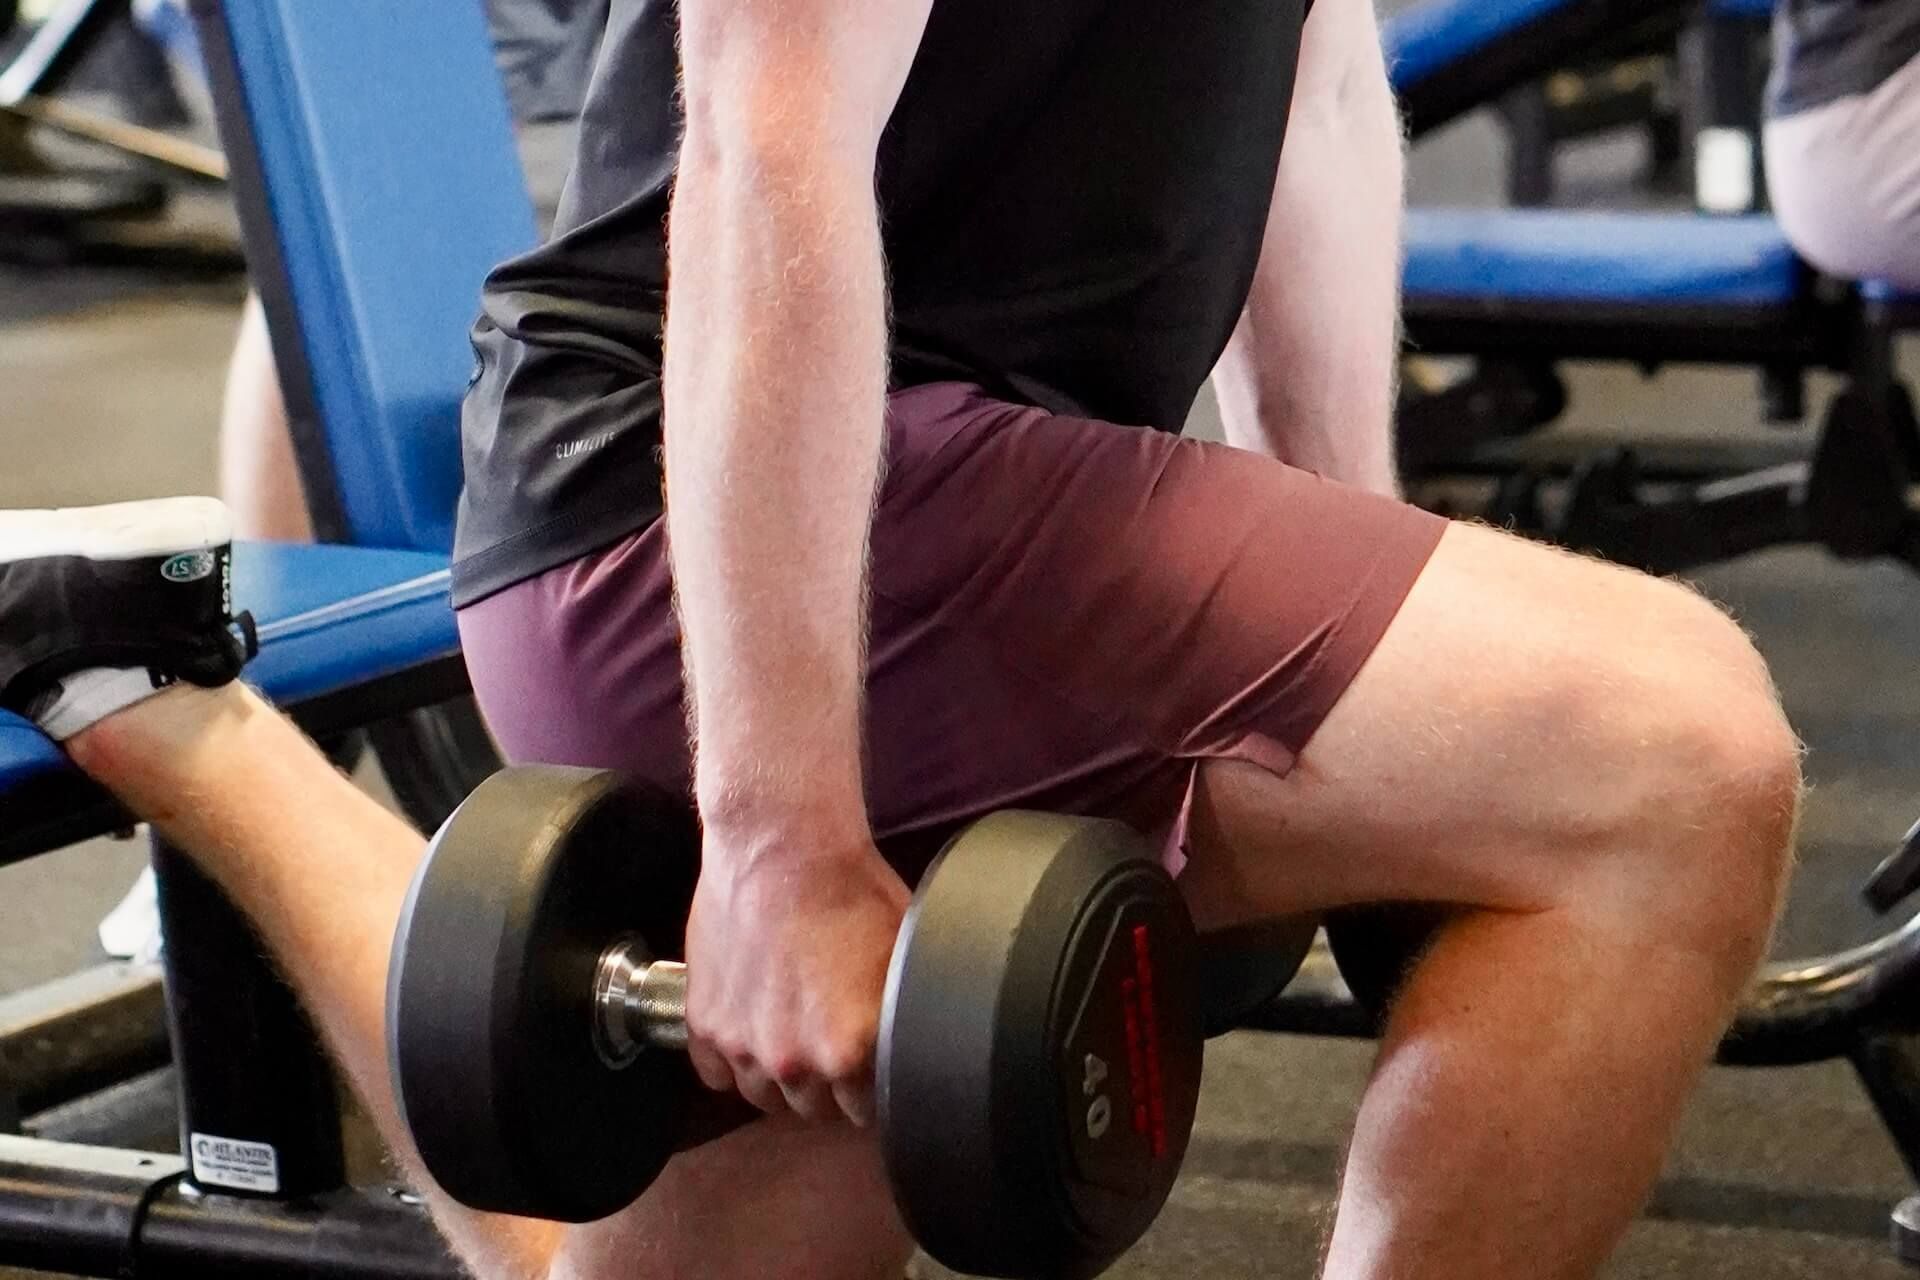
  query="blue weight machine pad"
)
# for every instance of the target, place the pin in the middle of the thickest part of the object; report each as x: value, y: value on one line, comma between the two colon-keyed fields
x: 1574, y: 256
x: 1449, y: 57
x: 1428, y: 38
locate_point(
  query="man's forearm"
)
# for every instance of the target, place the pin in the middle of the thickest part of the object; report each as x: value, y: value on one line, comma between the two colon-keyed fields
x: 1308, y: 376
x: 775, y: 393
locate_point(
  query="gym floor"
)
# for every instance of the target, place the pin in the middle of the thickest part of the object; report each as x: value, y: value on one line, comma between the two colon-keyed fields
x: 109, y: 390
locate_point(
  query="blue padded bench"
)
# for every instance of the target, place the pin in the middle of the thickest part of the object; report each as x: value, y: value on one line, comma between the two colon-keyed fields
x: 1644, y: 286
x: 1447, y: 57
x: 379, y: 234
x: 347, y: 634
x: 1607, y: 258
x: 368, y: 236
x: 369, y: 239
x: 1521, y: 289
x: 1426, y: 39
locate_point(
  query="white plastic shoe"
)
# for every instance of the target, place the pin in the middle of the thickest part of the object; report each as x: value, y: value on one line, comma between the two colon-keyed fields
x: 116, y: 531
x: 131, y: 931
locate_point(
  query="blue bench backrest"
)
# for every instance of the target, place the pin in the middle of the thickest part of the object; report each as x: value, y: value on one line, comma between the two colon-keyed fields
x: 378, y: 181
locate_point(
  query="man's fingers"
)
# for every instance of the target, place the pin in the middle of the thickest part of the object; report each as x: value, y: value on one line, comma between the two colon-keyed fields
x: 855, y: 1101
x: 811, y: 1099
x: 710, y: 1066
x: 757, y: 1087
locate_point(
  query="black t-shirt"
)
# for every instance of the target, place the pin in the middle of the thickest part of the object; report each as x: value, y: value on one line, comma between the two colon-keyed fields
x: 1824, y: 50
x: 1072, y: 192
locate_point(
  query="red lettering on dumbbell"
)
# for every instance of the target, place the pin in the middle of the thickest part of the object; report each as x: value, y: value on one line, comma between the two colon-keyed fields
x: 1136, y: 1054
x: 1156, y: 1097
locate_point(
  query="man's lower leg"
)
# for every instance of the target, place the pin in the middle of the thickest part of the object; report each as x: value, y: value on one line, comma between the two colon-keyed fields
x: 321, y: 871
x: 1528, y: 1086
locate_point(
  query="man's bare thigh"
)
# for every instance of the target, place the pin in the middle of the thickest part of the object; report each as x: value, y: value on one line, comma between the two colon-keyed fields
x: 1522, y: 709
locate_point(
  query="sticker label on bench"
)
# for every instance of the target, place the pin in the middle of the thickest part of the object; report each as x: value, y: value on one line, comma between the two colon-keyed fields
x: 236, y: 1165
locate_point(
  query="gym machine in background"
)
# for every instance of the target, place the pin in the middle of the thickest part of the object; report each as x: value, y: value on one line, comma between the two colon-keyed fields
x: 1692, y: 94
x: 55, y: 210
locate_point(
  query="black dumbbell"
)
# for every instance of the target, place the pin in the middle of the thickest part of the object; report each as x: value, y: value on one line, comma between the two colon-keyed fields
x: 1376, y: 946
x: 1040, y: 1041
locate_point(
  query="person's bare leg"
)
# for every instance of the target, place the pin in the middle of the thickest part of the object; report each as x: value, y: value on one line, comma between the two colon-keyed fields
x: 784, y: 1198
x: 260, y: 483
x: 1594, y: 764
x: 259, y: 478
x: 317, y: 866
x: 321, y: 870
x: 1309, y: 374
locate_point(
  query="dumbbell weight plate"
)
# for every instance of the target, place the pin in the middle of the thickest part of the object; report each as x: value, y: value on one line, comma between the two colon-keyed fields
x: 1375, y: 946
x: 1245, y: 967
x: 1040, y: 1047
x: 490, y: 992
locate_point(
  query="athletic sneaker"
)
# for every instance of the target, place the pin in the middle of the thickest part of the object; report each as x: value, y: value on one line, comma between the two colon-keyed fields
x: 131, y: 931
x: 102, y: 606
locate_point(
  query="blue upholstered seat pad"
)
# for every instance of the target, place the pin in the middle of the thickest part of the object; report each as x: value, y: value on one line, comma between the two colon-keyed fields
x: 1554, y: 255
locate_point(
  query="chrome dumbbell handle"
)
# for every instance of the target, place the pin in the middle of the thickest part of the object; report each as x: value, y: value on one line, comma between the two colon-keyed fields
x: 639, y: 1003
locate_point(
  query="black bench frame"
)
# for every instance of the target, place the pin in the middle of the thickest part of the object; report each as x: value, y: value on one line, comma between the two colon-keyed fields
x: 1638, y: 506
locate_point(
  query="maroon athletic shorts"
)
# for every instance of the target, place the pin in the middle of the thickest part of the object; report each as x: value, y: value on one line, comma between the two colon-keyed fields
x: 1066, y: 615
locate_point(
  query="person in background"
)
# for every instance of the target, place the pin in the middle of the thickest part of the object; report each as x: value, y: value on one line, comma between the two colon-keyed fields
x: 1842, y: 139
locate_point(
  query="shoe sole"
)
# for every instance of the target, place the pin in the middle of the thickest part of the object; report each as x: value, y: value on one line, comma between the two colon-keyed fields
x: 117, y: 531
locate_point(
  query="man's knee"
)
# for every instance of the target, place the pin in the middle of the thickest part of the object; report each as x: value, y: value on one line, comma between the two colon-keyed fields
x: 1693, y: 718
x: 1726, y: 714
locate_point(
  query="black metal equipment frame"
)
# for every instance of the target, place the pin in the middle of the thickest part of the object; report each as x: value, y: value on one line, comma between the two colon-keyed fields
x: 1623, y: 92
x: 99, y: 1211
x: 1643, y: 506
x: 1723, y: 67
x: 1672, y: 71
x: 1581, y: 33
x: 1849, y: 493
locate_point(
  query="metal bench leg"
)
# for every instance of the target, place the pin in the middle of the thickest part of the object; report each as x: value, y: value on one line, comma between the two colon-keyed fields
x: 259, y: 1111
